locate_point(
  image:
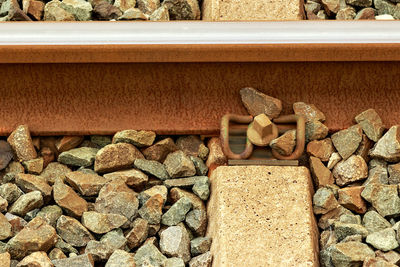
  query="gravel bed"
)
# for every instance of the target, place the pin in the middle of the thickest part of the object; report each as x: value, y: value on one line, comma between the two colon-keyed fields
x: 132, y: 199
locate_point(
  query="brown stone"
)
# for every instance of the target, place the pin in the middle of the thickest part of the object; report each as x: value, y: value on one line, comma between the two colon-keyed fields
x: 115, y: 157
x: 56, y: 254
x: 86, y: 184
x: 183, y: 9
x: 312, y: 8
x: 287, y: 230
x: 33, y: 166
x: 15, y: 13
x: 285, y: 143
x: 151, y: 211
x: 55, y: 171
x: 148, y: 6
x: 377, y: 262
x: 258, y: 103
x: 189, y: 144
x: 321, y: 174
x: 324, y: 201
x: 364, y: 147
x: 21, y: 142
x: 53, y: 11
x: 36, y: 236
x: 73, y: 232
x: 103, y: 10
x: 216, y: 157
x: 5, y: 228
x: 26, y: 203
x: 125, y: 5
x: 33, y: 8
x: 371, y: 124
x: 132, y: 177
x: 350, y: 198
x: 161, y: 14
x: 160, y: 150
x: 321, y: 149
x: 36, y: 259
x: 329, y: 218
x: 6, y: 154
x: 29, y: 183
x: 309, y: 111
x: 351, y: 170
x: 216, y: 10
x: 347, y: 141
x: 3, y: 204
x: 66, y: 198
x: 17, y: 223
x: 365, y: 13
x: 5, y: 259
x: 101, y: 223
x: 178, y: 164
x: 347, y: 13
x: 331, y: 6
x: 66, y: 143
x: 136, y: 138
x: 138, y: 234
x: 390, y: 256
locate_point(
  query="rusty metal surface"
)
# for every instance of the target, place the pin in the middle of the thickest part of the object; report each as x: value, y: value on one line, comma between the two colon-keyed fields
x: 177, y: 98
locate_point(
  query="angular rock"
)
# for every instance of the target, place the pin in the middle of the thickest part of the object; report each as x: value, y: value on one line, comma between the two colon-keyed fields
x: 350, y: 170
x: 6, y: 154
x: 327, y: 238
x: 50, y: 214
x: 216, y: 156
x: 38, y: 259
x: 100, y: 251
x: 5, y: 258
x: 203, y: 260
x: 174, y: 262
x: 151, y: 211
x: 388, y: 147
x: 312, y: 9
x: 29, y: 183
x: 81, y: 157
x: 56, y: 254
x: 321, y: 149
x: 82, y: 11
x: 160, y: 150
x: 315, y: 130
x: 329, y: 218
x: 103, y: 10
x: 324, y: 201
x: 350, y: 218
x: 36, y: 236
x: 309, y: 111
x: 369, y: 120
x: 100, y: 140
x: 175, y: 242
x: 161, y: 14
x: 115, y: 157
x: 26, y: 203
x: 149, y: 254
x: 132, y: 177
x: 101, y: 223
x: 66, y: 143
x: 33, y: 166
x: 147, y: 194
x: 115, y: 239
x: 377, y: 262
x: 136, y: 138
x: 374, y: 222
x: 117, y: 198
x: 190, y: 144
x: 3, y: 205
x: 285, y: 143
x: 350, y: 198
x: 65, y: 247
x: 17, y: 223
x: 183, y: 9
x: 391, y: 256
x: 321, y: 174
x: 366, y: 13
x: 21, y: 142
x: 384, y: 198
x: 331, y: 6
x: 84, y: 260
x: 333, y: 160
x: 394, y: 173
x: 152, y: 167
x: 178, y: 164
x: 384, y: 7
x: 66, y: 198
x: 384, y: 240
x: 55, y: 171
x: 177, y: 212
x: 201, y: 187
x: 201, y: 168
x: 187, y: 182
x: 200, y: 245
x: 138, y: 234
x: 120, y: 258
x: 343, y: 230
x: 86, y: 184
x: 73, y: 232
x: 257, y: 103
x: 347, y: 141
x: 364, y: 147
x: 53, y: 11
x: 125, y: 5
x: 347, y: 13
x: 350, y: 253
x: 148, y: 6
x: 5, y: 228
x: 377, y: 174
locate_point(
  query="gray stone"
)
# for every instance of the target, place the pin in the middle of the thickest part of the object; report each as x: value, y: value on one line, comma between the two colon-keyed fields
x: 10, y: 192
x: 55, y: 171
x: 203, y: 260
x: 347, y: 141
x: 100, y: 140
x: 138, y: 233
x: 175, y: 242
x: 309, y: 111
x: 350, y: 218
x: 177, y: 212
x: 388, y: 147
x: 384, y: 198
x: 257, y: 103
x: 152, y: 167
x: 151, y: 211
x: 100, y: 251
x: 377, y: 174
x: 26, y: 203
x: 82, y: 156
x: 316, y: 130
x: 73, y: 232
x: 86, y: 184
x: 5, y: 228
x: 103, y: 10
x: 201, y: 167
x: 155, y: 190
x: 136, y: 138
x: 50, y: 214
x: 148, y: 6
x: 369, y: 120
x: 81, y: 9
x: 200, y: 245
x: 384, y: 7
x: 120, y: 258
x: 350, y: 254
x: 351, y: 170
x: 347, y: 13
x: 374, y: 222
x: 343, y: 230
x: 125, y: 5
x: 174, y: 262
x: 115, y: 239
x: 101, y: 223
x: 326, y: 239
x: 148, y: 254
x: 384, y: 240
x: 183, y: 9
x: 84, y: 260
x: 64, y: 246
x: 53, y: 11
x: 324, y: 201
x: 29, y: 183
x: 178, y: 164
x: 132, y: 177
x: 394, y: 173
x: 202, y: 187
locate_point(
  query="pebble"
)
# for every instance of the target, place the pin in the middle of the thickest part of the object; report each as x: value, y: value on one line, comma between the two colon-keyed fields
x: 322, y: 176
x: 149, y: 255
x: 136, y: 138
x: 21, y: 142
x: 315, y: 130
x: 160, y: 150
x: 203, y: 260
x: 333, y: 160
x: 151, y: 211
x: 152, y: 167
x: 138, y: 234
x: 132, y: 177
x: 68, y: 200
x: 147, y: 194
x: 103, y: 10
x: 178, y: 164
x: 101, y: 223
x: 200, y: 245
x: 350, y: 170
x: 26, y: 203
x: 73, y: 232
x: 384, y: 240
x: 10, y: 192
x: 324, y: 201
x: 366, y: 13
x: 148, y: 6
x: 384, y: 198
x: 190, y: 144
x: 55, y: 171
x: 350, y: 198
x: 202, y: 187
x: 177, y: 212
x: 116, y: 157
x: 161, y: 14
x: 309, y: 111
x: 66, y: 143
x: 369, y: 120
x: 285, y: 143
x: 84, y: 260
x: 56, y: 254
x: 347, y: 13
x: 174, y: 262
x: 53, y: 11
x: 36, y: 236
x: 321, y: 149
x: 50, y: 214
x: 201, y: 167
x: 343, y: 230
x: 388, y: 147
x: 394, y: 173
x: 5, y: 228
x: 33, y: 166
x: 347, y: 141
x: 175, y: 242
x: 117, y: 198
x: 6, y: 154
x: 258, y: 103
x: 350, y: 253
x: 81, y: 157
x: 85, y: 184
x: 38, y: 258
x: 29, y: 183
x: 216, y: 156
x: 120, y: 258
